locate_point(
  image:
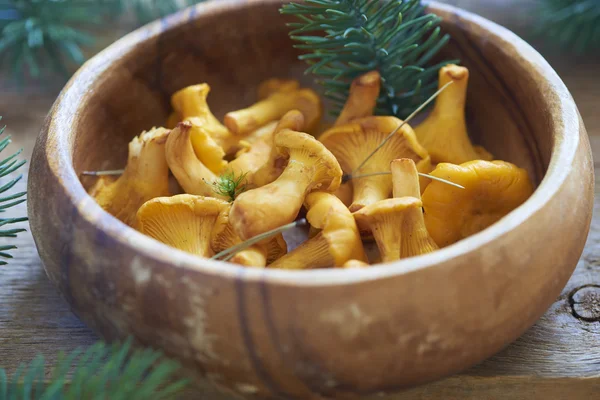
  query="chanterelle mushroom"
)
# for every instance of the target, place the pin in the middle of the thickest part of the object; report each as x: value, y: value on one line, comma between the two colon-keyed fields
x: 258, y: 255
x: 352, y: 143
x: 275, y: 163
x: 362, y: 98
x: 444, y: 131
x: 253, y: 154
x: 273, y: 108
x: 491, y: 190
x: 397, y: 224
x: 337, y: 242
x: 193, y: 176
x: 274, y: 85
x: 190, y: 105
x: 146, y: 176
x: 310, y: 167
x: 185, y: 221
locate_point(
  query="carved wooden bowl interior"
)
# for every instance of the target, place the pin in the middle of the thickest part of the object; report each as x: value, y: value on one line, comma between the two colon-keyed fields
x: 306, y: 333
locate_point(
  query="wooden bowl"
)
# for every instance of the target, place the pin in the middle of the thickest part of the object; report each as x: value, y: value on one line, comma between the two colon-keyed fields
x: 307, y: 333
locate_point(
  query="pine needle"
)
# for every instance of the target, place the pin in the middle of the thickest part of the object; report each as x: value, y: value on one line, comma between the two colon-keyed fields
x: 230, y: 252
x: 102, y: 372
x: 345, y: 39
x: 435, y: 178
x: 9, y: 199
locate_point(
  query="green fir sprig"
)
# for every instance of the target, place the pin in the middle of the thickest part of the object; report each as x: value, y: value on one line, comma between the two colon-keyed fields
x: 573, y: 24
x: 39, y: 37
x: 346, y: 38
x: 37, y: 33
x: 101, y: 372
x: 7, y: 198
x: 149, y: 10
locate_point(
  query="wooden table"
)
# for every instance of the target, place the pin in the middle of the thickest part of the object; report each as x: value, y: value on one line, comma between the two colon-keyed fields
x: 559, y: 358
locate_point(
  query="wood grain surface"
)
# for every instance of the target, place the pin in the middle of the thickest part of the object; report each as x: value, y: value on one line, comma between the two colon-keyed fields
x: 559, y: 358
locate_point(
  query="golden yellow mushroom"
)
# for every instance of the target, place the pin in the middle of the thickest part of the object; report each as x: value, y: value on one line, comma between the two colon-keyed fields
x: 190, y: 104
x: 492, y: 190
x: 337, y: 242
x: 274, y: 164
x: 173, y: 120
x: 274, y: 85
x: 397, y: 224
x: 444, y: 131
x: 146, y: 176
x: 185, y: 221
x: 352, y: 143
x: 345, y: 193
x: 258, y: 255
x: 352, y: 264
x: 425, y: 166
x: 362, y: 98
x: 274, y: 107
x: 193, y: 176
x: 310, y: 167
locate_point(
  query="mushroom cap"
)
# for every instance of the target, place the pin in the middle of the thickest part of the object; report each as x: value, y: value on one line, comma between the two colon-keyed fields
x: 146, y: 176
x: 328, y: 174
x: 208, y: 151
x: 337, y: 225
x: 353, y: 142
x: 184, y: 221
x: 275, y: 162
x: 190, y: 103
x: 444, y: 132
x: 384, y: 210
x: 193, y: 176
x: 224, y: 237
x: 491, y: 190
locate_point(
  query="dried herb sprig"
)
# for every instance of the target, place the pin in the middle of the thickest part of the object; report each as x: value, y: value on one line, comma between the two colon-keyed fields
x: 230, y: 186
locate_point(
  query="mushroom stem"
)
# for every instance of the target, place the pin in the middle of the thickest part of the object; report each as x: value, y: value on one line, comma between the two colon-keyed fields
x: 310, y: 166
x: 362, y: 98
x: 253, y: 256
x: 405, y: 178
x: 312, y: 254
x: 272, y: 108
x: 399, y: 232
x: 282, y: 198
x: 407, y: 120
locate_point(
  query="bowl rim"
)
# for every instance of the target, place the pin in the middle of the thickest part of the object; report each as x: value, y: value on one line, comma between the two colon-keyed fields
x: 71, y: 100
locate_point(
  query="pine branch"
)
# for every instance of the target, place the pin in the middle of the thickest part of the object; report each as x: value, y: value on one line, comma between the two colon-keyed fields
x: 573, y: 24
x: 35, y: 33
x: 101, y: 372
x: 346, y: 38
x: 9, y: 199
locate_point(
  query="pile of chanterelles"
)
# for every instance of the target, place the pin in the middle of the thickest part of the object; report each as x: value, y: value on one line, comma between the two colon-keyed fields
x: 356, y: 184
